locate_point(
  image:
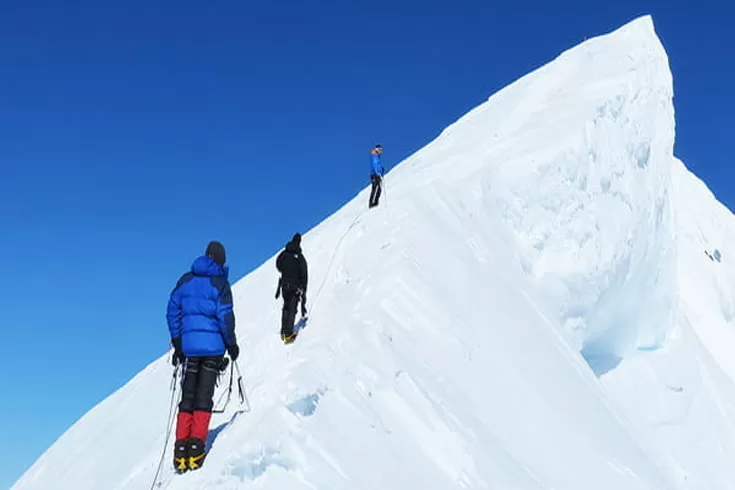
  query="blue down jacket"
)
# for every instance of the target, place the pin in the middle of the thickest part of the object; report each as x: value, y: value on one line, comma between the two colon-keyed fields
x: 376, y: 166
x: 200, y: 310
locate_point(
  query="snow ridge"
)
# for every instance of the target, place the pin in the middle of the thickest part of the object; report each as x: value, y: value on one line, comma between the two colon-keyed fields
x: 534, y: 306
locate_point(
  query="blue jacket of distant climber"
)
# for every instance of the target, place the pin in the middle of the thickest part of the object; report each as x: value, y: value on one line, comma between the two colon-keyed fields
x: 376, y: 166
x: 200, y: 310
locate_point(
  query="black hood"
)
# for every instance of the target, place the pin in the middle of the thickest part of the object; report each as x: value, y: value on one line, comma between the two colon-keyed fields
x: 295, y: 244
x: 293, y: 247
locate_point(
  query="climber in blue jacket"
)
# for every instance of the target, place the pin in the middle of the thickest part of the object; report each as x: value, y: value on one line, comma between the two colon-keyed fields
x: 202, y: 327
x: 376, y: 175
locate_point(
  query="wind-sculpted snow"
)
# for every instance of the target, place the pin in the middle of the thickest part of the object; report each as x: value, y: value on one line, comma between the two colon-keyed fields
x: 543, y: 300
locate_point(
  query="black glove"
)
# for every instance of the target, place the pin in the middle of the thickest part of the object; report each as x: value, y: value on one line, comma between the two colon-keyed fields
x: 178, y: 353
x: 234, y: 351
x: 224, y: 362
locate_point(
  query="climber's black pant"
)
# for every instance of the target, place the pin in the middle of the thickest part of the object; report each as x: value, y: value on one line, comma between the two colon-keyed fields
x: 291, y: 298
x: 376, y: 190
x: 200, y: 379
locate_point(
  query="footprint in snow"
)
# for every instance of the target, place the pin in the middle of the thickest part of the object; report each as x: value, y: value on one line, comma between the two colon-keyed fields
x: 253, y: 466
x: 306, y: 405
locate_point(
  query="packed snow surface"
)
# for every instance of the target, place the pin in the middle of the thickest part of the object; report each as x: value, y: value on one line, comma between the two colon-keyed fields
x: 543, y: 300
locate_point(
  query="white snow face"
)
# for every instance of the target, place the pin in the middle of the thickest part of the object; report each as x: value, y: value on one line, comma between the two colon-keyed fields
x: 541, y: 301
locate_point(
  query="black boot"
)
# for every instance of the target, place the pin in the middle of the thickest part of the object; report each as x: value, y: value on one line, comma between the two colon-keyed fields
x: 196, y: 453
x: 181, y: 456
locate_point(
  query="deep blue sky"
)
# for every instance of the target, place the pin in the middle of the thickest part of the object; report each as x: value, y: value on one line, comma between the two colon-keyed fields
x: 131, y: 133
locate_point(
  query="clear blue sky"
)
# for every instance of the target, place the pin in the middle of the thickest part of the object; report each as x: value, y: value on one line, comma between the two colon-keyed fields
x: 131, y: 133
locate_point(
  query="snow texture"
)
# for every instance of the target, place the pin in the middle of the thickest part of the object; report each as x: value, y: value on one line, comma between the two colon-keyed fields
x: 543, y: 300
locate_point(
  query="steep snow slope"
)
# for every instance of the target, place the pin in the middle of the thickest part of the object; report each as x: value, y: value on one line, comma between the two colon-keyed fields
x: 707, y: 281
x: 679, y: 394
x: 530, y: 308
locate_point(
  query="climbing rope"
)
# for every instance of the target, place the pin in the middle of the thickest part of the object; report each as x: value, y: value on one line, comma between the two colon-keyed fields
x: 170, y: 422
x: 334, y: 255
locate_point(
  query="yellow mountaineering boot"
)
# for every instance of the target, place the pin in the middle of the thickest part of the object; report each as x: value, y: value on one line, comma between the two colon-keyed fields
x: 196, y: 453
x: 181, y: 456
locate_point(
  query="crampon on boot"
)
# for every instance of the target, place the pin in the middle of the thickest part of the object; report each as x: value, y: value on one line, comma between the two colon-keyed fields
x: 181, y: 455
x: 196, y: 453
x: 288, y: 339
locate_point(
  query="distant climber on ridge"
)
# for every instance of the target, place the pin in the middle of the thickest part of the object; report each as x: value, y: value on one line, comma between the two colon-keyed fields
x: 293, y: 282
x: 202, y: 327
x: 376, y: 175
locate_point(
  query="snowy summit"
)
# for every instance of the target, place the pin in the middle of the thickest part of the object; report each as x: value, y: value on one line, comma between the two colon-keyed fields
x: 542, y: 300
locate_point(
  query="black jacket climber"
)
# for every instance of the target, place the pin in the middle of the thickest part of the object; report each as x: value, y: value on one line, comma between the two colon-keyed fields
x: 294, y: 280
x: 292, y: 266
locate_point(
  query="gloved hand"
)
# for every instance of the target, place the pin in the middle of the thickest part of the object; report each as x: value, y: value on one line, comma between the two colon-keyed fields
x: 178, y: 353
x: 234, y: 351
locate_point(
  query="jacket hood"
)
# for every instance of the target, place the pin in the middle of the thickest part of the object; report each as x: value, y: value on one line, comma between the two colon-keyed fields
x: 205, y: 266
x: 293, y: 247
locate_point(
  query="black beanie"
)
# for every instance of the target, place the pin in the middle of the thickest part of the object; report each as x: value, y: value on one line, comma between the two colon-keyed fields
x: 297, y: 238
x: 216, y: 251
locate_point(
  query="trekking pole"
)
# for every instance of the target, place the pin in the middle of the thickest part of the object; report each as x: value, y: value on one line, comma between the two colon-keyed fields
x: 241, y: 387
x: 169, y: 423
